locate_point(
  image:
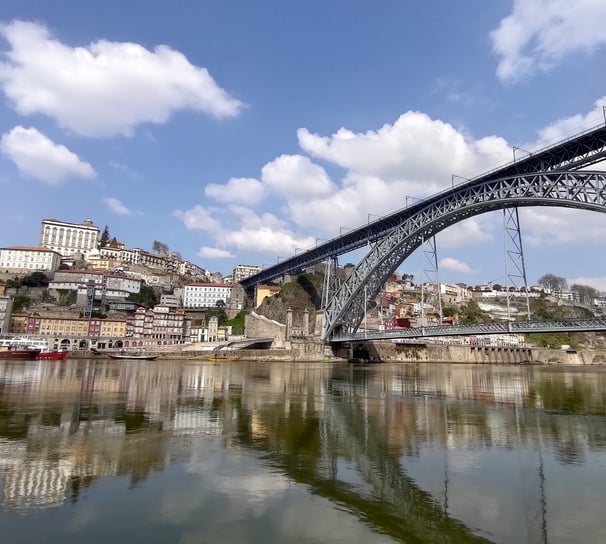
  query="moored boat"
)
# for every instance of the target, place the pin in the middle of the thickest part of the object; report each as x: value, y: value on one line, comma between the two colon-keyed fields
x: 52, y: 355
x: 13, y: 352
x: 137, y: 356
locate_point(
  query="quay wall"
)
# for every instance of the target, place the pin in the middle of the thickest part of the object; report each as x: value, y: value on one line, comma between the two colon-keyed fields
x: 443, y: 353
x: 375, y: 352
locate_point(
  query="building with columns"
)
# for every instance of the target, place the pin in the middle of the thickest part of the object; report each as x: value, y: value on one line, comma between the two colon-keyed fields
x: 69, y: 238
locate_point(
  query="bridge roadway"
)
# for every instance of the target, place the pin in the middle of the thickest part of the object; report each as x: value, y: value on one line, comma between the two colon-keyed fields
x: 580, y: 151
x: 595, y: 324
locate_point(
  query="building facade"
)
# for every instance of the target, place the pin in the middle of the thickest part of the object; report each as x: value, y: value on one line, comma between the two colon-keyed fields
x: 19, y: 259
x: 205, y: 295
x: 6, y: 307
x: 69, y: 238
x: 243, y: 271
x: 158, y: 326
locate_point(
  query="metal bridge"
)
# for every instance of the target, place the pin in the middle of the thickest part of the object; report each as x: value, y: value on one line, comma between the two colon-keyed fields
x: 549, y: 177
x: 502, y: 327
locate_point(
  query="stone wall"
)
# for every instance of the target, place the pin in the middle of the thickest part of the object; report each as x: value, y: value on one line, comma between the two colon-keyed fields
x: 388, y: 351
x: 259, y: 326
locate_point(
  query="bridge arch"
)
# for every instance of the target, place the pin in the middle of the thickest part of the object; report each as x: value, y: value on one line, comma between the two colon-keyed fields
x: 584, y: 190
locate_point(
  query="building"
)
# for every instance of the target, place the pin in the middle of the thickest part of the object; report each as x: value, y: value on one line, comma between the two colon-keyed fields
x: 205, y: 295
x: 264, y: 291
x: 6, y: 307
x: 243, y: 271
x: 69, y: 238
x: 158, y: 326
x: 60, y: 326
x: 19, y: 259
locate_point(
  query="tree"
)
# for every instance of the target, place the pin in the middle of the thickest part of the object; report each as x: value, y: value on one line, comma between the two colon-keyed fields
x: 585, y: 292
x: 104, y: 237
x: 471, y: 313
x: 553, y: 283
x: 147, y: 297
x: 159, y: 247
x: 113, y: 243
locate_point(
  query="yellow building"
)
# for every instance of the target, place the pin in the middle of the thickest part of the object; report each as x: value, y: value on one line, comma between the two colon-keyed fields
x: 264, y: 291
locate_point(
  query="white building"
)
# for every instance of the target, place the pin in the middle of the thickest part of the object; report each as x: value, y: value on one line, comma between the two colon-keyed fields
x: 6, y: 307
x: 69, y: 238
x: 205, y: 295
x: 243, y: 271
x: 28, y: 259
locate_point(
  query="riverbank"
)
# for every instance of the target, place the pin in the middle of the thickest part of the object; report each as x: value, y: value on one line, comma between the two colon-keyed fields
x: 378, y: 352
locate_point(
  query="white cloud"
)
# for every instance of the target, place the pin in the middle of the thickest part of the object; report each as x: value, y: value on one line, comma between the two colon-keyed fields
x: 117, y: 206
x: 550, y: 226
x: 569, y: 126
x: 214, y: 253
x: 247, y: 230
x: 200, y: 218
x: 104, y: 88
x: 539, y: 33
x: 296, y: 177
x: 454, y: 265
x: 237, y: 190
x: 39, y: 157
x: 415, y: 148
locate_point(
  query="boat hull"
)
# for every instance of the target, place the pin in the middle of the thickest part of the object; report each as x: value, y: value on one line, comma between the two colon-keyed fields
x: 52, y: 355
x: 21, y: 354
x: 133, y: 357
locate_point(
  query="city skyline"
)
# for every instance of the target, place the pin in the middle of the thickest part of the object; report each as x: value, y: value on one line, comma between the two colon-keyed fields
x: 239, y: 133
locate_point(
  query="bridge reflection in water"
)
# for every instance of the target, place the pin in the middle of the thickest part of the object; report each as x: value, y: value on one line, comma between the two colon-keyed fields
x: 418, y: 453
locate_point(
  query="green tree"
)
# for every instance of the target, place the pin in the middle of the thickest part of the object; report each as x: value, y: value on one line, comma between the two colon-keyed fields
x: 20, y: 303
x: 471, y: 313
x: 104, y: 237
x: 147, y: 296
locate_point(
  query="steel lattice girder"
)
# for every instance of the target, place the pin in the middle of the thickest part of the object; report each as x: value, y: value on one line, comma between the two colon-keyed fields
x: 582, y: 150
x: 500, y: 327
x: 572, y: 189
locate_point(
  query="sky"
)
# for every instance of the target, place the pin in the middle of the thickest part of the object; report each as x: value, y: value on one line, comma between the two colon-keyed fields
x: 240, y: 132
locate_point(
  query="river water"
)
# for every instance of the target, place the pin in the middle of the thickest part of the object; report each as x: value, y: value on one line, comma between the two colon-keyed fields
x: 98, y: 451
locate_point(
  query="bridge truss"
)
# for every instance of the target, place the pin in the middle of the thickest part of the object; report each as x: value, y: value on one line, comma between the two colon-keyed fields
x: 576, y: 189
x: 549, y: 177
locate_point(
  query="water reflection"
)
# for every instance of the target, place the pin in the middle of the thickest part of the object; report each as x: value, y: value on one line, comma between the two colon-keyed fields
x: 423, y: 453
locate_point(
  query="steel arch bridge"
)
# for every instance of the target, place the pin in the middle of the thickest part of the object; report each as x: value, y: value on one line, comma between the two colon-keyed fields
x: 548, y: 177
x: 571, y: 189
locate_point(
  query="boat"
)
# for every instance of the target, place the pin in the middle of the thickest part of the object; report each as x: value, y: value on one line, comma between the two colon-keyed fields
x: 16, y: 352
x: 136, y: 356
x: 52, y: 355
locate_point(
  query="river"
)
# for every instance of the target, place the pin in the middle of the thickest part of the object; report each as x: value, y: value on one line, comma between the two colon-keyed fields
x: 100, y: 451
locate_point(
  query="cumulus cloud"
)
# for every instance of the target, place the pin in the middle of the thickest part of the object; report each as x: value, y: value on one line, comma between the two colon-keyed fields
x: 539, y: 33
x: 37, y: 156
x: 569, y: 126
x: 240, y: 228
x: 416, y: 148
x: 214, y: 253
x: 200, y: 218
x: 296, y: 177
x: 104, y: 88
x: 551, y: 226
x: 454, y: 265
x: 117, y: 206
x: 237, y: 190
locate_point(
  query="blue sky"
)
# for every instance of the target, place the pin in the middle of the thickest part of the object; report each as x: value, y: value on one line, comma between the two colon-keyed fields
x: 241, y: 131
